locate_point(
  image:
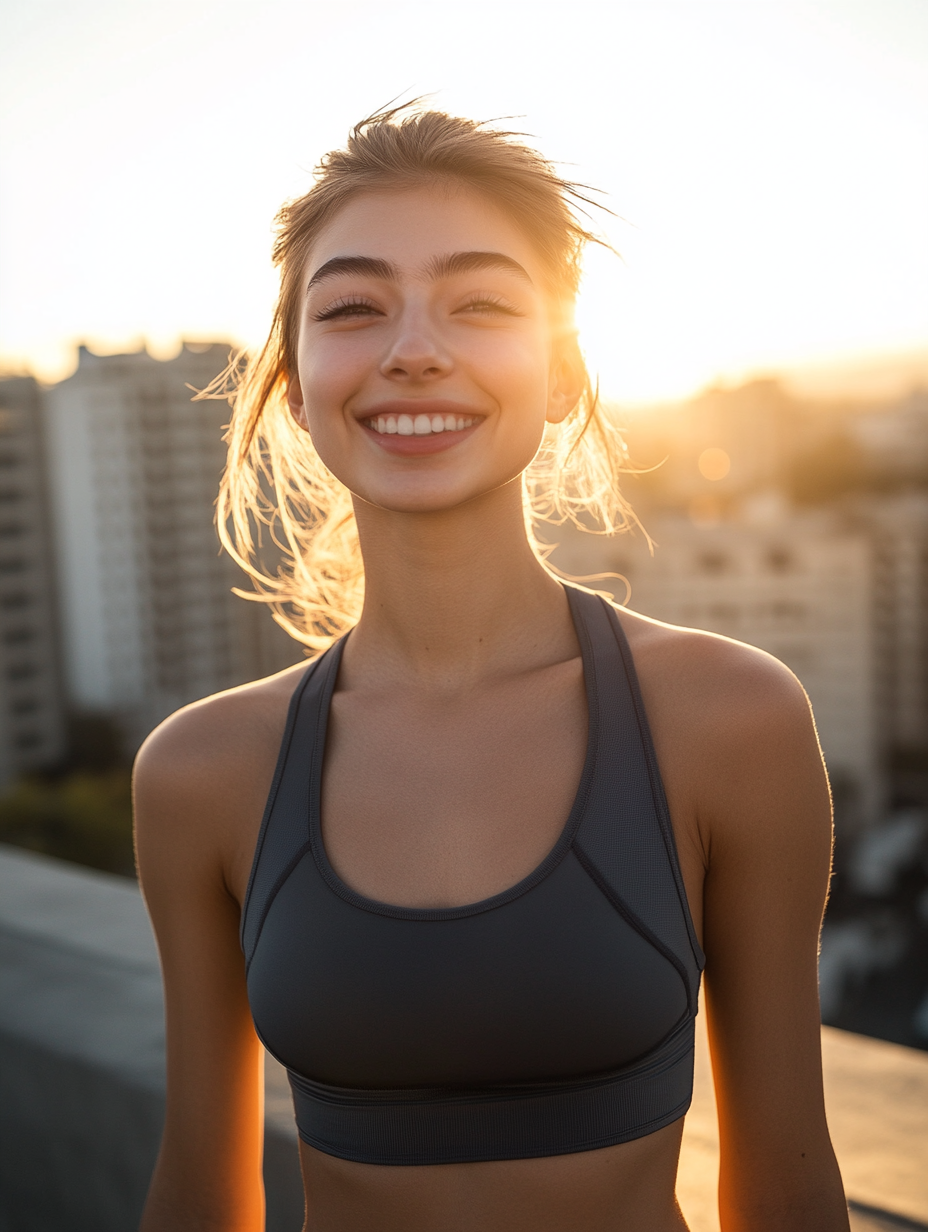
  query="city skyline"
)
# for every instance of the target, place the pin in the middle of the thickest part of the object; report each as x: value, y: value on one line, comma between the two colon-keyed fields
x: 768, y: 164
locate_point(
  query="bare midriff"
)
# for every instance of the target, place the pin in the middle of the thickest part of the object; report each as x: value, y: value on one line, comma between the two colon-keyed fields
x: 615, y: 1189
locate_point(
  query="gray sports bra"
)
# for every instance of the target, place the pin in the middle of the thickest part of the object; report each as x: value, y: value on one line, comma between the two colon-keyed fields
x: 555, y: 1017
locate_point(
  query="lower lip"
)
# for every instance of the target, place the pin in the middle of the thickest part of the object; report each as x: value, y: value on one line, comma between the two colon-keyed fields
x: 417, y: 446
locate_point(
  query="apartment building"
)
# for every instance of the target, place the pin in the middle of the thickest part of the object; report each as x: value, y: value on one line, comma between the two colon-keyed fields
x: 149, y: 620
x: 798, y: 585
x: 31, y: 707
x: 898, y: 527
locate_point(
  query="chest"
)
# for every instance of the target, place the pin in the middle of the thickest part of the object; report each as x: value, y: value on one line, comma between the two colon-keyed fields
x: 471, y: 891
x: 434, y: 800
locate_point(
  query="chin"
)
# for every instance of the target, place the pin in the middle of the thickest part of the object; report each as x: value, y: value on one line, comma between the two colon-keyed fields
x: 417, y: 503
x: 440, y: 491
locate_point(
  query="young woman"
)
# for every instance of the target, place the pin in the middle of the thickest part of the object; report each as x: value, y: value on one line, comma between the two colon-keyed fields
x: 508, y: 819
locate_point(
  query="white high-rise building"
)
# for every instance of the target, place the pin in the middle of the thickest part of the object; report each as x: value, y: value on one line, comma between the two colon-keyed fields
x: 149, y: 620
x: 31, y: 709
x: 799, y: 586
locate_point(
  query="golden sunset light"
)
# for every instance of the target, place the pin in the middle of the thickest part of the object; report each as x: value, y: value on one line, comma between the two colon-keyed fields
x: 451, y: 675
x: 765, y: 164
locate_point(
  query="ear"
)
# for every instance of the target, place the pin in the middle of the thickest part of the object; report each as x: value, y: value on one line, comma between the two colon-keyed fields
x: 568, y: 380
x: 295, y: 401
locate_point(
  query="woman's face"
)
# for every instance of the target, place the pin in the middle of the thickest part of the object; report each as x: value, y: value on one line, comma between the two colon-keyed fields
x: 427, y: 364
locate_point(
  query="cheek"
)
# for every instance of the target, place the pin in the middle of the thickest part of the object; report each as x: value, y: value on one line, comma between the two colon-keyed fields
x: 325, y: 386
x: 330, y: 369
x: 514, y: 369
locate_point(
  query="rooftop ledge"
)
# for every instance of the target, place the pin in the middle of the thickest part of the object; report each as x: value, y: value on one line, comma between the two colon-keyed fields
x: 82, y: 1058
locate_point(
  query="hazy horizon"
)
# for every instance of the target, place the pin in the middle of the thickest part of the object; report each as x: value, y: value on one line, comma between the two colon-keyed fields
x: 865, y: 378
x: 767, y: 166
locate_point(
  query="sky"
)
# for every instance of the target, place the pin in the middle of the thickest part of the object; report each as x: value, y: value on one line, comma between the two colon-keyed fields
x: 766, y: 162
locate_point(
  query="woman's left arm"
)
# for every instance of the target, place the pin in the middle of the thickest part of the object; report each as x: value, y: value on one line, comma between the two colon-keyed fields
x: 765, y: 817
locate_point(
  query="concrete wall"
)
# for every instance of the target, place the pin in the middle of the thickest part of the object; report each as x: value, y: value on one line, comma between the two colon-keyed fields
x: 82, y: 1057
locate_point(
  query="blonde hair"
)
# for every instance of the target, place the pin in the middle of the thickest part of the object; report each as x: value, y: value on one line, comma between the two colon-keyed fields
x: 276, y: 493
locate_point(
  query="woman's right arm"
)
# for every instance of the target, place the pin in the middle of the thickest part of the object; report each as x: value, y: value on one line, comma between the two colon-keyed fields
x: 199, y: 793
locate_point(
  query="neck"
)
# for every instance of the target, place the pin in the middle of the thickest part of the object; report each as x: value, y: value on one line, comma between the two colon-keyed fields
x: 453, y: 596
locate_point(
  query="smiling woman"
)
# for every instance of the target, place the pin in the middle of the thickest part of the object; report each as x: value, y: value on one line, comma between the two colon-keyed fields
x: 421, y: 419
x: 461, y: 874
x: 574, y: 474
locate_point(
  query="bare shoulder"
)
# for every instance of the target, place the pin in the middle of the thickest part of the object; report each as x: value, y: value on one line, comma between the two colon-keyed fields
x: 215, y: 733
x: 734, y: 735
x: 202, y: 777
x: 729, y: 686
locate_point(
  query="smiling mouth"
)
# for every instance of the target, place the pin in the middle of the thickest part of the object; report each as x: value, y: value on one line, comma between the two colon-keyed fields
x: 418, y: 425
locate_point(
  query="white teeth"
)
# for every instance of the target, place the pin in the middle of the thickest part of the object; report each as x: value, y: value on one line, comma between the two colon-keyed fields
x: 420, y: 425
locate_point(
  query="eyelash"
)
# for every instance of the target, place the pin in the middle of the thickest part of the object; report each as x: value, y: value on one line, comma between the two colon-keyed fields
x: 490, y: 301
x: 347, y: 308
x: 343, y: 308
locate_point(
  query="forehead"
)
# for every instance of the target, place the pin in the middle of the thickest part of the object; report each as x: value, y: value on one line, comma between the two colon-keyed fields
x: 411, y: 227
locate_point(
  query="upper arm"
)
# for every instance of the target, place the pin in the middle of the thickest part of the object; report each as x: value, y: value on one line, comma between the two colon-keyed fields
x: 764, y: 812
x: 190, y: 823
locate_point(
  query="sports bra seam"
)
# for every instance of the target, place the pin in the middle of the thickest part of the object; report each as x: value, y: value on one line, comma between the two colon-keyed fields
x: 634, y: 921
x: 275, y: 889
x: 428, y: 915
x: 661, y: 807
x: 280, y: 769
x: 267, y: 1047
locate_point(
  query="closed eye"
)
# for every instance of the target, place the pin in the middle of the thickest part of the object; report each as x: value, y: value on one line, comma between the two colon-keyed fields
x: 489, y: 305
x: 347, y: 309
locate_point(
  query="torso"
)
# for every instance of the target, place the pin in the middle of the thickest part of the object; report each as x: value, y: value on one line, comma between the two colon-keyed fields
x: 470, y: 793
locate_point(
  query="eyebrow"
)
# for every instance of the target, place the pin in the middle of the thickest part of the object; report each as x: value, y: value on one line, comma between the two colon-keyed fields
x: 439, y: 267
x: 372, y: 266
x: 464, y: 262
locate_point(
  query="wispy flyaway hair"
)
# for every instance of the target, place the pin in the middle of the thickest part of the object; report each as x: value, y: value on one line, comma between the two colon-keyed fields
x: 276, y: 495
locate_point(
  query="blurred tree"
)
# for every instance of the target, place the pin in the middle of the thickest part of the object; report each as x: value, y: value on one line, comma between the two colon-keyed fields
x: 83, y: 816
x: 95, y: 743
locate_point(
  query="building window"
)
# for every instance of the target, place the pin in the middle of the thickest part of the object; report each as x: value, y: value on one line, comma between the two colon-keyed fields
x: 18, y: 637
x: 17, y: 600
x: 22, y: 671
x: 784, y: 612
x: 723, y: 613
x: 779, y: 560
x: 713, y: 562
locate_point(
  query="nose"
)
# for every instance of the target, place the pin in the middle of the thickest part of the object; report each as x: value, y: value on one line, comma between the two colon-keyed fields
x: 416, y: 352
